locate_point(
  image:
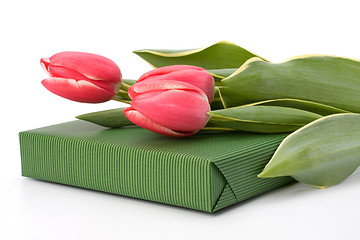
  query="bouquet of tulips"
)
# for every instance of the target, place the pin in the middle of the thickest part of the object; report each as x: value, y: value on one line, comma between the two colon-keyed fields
x: 227, y: 88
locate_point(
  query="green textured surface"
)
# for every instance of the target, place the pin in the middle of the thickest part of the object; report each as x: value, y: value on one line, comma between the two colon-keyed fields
x: 207, y: 171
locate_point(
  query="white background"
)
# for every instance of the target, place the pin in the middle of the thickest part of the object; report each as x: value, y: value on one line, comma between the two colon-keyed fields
x: 276, y: 30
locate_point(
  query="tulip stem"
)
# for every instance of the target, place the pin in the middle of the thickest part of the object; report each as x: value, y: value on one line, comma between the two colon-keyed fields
x: 125, y: 86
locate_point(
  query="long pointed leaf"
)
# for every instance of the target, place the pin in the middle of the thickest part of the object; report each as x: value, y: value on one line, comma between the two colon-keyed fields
x: 329, y: 80
x: 262, y: 119
x: 322, y: 153
x: 221, y: 55
x: 220, y: 74
x: 318, y: 108
x: 129, y: 81
x: 113, y: 118
x: 217, y: 103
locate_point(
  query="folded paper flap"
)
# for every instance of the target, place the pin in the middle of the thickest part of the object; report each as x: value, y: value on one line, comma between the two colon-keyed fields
x: 241, y: 167
x: 226, y: 198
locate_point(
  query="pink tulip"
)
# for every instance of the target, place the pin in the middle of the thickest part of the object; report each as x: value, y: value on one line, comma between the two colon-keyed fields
x: 196, y: 76
x: 82, y: 77
x: 170, y: 108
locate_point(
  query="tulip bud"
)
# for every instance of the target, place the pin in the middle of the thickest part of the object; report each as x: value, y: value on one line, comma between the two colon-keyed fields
x: 196, y: 76
x: 170, y: 108
x: 82, y: 77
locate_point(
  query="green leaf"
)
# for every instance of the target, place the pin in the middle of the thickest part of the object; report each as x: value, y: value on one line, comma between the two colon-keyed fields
x: 321, y: 154
x: 220, y: 74
x: 262, y: 119
x: 232, y: 97
x: 217, y: 102
x: 113, y: 118
x: 122, y: 95
x: 221, y: 55
x: 309, y: 106
x: 329, y: 80
x: 129, y: 81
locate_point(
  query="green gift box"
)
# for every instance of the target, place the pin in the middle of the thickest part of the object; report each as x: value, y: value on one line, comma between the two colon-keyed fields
x: 207, y: 171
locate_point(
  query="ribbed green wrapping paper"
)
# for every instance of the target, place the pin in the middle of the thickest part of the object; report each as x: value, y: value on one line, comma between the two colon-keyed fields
x: 207, y: 171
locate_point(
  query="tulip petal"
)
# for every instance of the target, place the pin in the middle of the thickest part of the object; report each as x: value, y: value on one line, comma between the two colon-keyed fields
x: 195, y: 76
x: 154, y: 85
x: 179, y: 110
x: 77, y: 90
x: 144, y: 122
x: 167, y: 69
x: 92, y: 66
x: 62, y: 72
x: 45, y: 63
